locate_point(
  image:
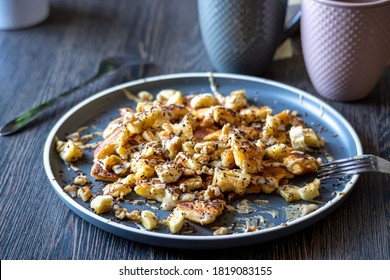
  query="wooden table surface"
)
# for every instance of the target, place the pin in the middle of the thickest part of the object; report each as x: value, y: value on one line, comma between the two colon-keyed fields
x: 38, y: 63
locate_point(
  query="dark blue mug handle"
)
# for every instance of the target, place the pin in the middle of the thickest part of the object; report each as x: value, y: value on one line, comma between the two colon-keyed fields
x: 292, y: 26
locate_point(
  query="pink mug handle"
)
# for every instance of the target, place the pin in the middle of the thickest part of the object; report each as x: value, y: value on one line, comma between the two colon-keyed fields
x: 292, y: 26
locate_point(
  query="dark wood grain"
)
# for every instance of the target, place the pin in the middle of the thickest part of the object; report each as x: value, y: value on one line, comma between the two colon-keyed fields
x: 38, y: 63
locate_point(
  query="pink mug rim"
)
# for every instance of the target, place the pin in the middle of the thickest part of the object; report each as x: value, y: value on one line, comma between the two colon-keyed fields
x: 343, y: 4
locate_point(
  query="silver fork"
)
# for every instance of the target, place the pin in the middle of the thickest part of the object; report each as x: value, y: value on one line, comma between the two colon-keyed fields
x: 352, y: 166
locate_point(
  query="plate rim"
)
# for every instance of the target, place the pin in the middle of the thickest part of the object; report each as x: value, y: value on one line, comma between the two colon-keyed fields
x: 167, y: 236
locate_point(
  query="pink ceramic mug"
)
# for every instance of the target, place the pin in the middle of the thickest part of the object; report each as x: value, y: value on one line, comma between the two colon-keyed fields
x: 346, y: 45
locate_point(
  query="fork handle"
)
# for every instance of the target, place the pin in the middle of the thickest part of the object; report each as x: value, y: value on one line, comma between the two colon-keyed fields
x: 383, y: 165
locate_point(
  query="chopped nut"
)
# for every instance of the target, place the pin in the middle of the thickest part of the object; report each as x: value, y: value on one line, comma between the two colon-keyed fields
x: 84, y: 193
x: 81, y: 180
x: 203, y: 100
x: 145, y: 95
x: 236, y: 100
x: 71, y: 190
x: 120, y: 213
x: 212, y: 193
x: 69, y: 151
x: 134, y: 216
x: 221, y: 231
x: 111, y: 161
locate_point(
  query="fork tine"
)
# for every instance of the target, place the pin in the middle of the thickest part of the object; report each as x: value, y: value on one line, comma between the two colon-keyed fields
x: 353, y: 165
x: 347, y: 160
x: 341, y: 174
x: 348, y: 166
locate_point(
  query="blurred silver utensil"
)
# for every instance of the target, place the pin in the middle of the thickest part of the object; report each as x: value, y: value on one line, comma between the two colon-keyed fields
x: 353, y: 165
x: 106, y: 66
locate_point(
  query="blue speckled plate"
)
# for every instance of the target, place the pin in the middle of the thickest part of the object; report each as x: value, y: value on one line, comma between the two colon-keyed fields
x: 270, y: 213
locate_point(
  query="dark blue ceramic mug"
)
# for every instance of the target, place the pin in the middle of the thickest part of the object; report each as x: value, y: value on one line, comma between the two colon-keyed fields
x: 241, y: 36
